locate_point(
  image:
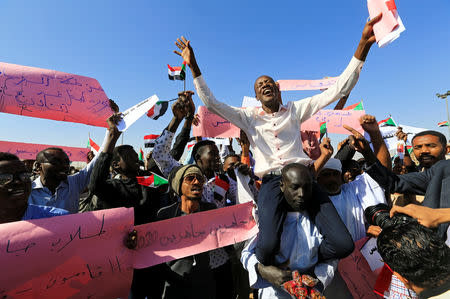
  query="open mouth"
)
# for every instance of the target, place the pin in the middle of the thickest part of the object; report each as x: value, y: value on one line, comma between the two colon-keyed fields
x: 267, y: 91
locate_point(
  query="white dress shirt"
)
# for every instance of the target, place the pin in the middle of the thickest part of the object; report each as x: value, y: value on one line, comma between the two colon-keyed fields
x: 276, y: 137
x: 354, y: 198
x: 299, y: 245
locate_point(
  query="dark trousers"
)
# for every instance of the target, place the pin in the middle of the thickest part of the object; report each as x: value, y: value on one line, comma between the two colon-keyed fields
x: 148, y: 282
x: 272, y: 208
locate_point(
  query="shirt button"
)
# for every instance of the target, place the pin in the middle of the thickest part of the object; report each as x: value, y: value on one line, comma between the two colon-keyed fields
x: 274, y: 124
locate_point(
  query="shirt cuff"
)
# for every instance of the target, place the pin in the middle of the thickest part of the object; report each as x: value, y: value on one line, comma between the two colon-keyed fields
x: 199, y: 81
x: 256, y: 281
x: 325, y: 272
x: 355, y: 63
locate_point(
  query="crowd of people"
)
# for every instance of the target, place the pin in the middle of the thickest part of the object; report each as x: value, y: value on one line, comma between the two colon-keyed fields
x: 311, y: 207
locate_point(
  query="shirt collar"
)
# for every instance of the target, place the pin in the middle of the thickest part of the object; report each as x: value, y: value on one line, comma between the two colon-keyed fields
x: 37, y: 184
x: 281, y: 108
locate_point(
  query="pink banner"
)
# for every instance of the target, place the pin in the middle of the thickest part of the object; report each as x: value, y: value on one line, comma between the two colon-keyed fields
x: 73, y: 256
x: 179, y: 237
x: 335, y: 119
x: 321, y: 84
x: 29, y: 150
x: 42, y: 93
x: 357, y: 274
x: 212, y: 125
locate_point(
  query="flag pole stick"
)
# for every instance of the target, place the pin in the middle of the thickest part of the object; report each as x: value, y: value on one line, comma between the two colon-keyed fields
x: 123, y: 133
x: 184, y: 82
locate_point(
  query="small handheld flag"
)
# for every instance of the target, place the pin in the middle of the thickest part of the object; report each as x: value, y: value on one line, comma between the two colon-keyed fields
x: 387, y: 122
x: 149, y: 140
x: 443, y: 124
x: 141, y: 155
x: 357, y: 106
x: 158, y: 110
x: 323, y: 127
x: 94, y: 147
x: 178, y: 72
x: 152, y: 181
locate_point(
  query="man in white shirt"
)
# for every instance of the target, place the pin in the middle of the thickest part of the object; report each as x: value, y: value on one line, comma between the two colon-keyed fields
x: 273, y: 131
x: 350, y: 199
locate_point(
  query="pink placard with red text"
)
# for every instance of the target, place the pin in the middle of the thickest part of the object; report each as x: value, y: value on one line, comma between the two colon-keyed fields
x: 49, y: 94
x: 212, y: 125
x: 335, y: 120
x: 175, y: 238
x: 321, y: 84
x: 29, y: 150
x: 72, y: 256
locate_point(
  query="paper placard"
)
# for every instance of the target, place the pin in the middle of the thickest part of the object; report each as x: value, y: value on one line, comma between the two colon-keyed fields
x: 49, y: 94
x: 72, y: 256
x: 212, y: 125
x: 335, y: 120
x: 29, y: 150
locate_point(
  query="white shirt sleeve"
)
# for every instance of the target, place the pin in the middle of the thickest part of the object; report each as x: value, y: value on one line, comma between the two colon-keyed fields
x: 305, y: 108
x: 249, y: 261
x: 236, y: 116
x: 161, y: 153
x: 325, y: 272
x: 368, y: 191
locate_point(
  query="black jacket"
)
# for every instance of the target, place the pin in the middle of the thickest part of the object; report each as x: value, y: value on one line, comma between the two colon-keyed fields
x: 434, y: 183
x: 114, y: 193
x: 191, y: 276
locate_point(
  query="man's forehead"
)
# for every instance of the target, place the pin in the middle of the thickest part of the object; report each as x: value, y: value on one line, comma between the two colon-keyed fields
x: 425, y: 139
x: 264, y: 77
x: 297, y: 174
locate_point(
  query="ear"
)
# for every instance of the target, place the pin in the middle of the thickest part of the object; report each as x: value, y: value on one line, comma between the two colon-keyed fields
x: 278, y: 85
x: 38, y: 167
x: 115, y: 166
x: 282, y: 186
x: 448, y: 149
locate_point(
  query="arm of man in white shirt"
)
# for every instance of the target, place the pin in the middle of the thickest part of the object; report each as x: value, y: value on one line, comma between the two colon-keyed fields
x: 305, y: 108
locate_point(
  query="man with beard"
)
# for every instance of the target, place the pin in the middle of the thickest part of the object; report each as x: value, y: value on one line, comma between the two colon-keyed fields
x: 54, y: 187
x: 429, y: 147
x: 15, y: 188
x: 273, y: 133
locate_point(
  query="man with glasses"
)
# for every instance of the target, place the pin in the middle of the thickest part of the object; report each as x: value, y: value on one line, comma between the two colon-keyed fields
x: 191, y: 276
x: 54, y: 187
x: 15, y: 187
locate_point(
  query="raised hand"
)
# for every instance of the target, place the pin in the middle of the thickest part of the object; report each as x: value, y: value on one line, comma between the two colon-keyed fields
x: 357, y: 140
x: 367, y: 33
x: 187, y: 53
x: 179, y: 110
x: 367, y: 39
x: 369, y: 123
x: 113, y: 121
x: 401, y: 135
x: 186, y: 98
x: 325, y: 147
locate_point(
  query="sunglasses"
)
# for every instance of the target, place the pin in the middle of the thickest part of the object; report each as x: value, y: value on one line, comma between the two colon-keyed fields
x: 7, y: 178
x: 191, y: 177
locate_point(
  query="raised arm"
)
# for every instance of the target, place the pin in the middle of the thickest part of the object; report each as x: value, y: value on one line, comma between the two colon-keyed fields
x: 183, y: 137
x: 347, y: 80
x: 161, y: 152
x: 233, y: 114
x: 370, y: 125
